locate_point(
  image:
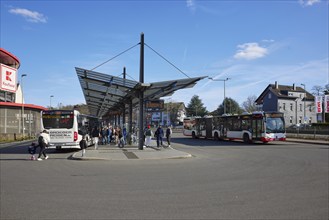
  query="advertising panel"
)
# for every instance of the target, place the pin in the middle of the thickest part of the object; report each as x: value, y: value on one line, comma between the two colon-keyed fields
x: 156, y: 105
x: 326, y: 103
x: 8, y: 78
x: 318, y: 104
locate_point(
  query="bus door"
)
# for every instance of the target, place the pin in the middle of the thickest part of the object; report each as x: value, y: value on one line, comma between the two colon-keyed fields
x: 208, y: 127
x: 256, y: 125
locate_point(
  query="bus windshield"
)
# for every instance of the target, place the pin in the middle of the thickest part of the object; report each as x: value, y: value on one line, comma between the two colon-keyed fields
x: 274, y: 125
x: 62, y: 120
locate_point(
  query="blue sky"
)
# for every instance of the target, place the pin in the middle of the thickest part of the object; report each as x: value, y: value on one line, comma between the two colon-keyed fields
x: 254, y: 43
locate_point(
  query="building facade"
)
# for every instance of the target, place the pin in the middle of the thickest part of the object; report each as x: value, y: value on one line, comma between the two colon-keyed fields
x: 295, y: 102
x: 17, y: 119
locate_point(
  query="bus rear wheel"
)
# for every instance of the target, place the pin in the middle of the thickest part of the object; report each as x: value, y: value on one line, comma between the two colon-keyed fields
x: 216, y: 137
x: 246, y: 139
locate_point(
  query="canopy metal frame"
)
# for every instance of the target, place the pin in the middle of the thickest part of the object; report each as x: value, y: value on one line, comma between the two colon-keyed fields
x: 105, y: 93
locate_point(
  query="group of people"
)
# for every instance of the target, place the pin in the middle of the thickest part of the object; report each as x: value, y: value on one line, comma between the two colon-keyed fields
x: 106, y: 135
x: 158, y: 134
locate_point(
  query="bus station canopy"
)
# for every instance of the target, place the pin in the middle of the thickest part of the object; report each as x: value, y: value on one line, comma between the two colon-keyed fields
x: 105, y: 93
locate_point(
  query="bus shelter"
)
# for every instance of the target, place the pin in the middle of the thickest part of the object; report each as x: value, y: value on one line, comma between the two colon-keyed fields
x: 107, y: 94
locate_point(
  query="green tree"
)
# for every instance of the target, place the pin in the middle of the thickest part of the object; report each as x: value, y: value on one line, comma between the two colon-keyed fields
x: 195, y: 107
x: 82, y: 108
x: 250, y: 105
x: 232, y: 107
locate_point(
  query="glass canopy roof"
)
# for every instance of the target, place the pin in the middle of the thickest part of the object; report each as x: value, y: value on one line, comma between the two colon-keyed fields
x: 105, y: 93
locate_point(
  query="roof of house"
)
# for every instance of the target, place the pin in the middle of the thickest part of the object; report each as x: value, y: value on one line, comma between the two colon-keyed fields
x: 282, y: 92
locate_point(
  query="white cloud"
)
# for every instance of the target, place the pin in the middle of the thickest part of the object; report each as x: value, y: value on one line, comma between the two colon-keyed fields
x: 191, y: 5
x: 308, y: 2
x: 250, y: 51
x: 31, y: 16
x: 248, y: 79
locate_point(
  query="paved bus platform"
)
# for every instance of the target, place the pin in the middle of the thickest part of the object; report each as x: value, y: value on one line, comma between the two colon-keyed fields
x: 130, y: 152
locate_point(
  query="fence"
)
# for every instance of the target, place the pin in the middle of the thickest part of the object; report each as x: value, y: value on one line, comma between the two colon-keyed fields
x: 310, y: 132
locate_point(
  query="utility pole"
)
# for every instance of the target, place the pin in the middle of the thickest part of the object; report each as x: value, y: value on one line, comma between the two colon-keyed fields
x: 141, y: 95
x: 23, y: 129
x: 304, y: 102
x: 224, y: 80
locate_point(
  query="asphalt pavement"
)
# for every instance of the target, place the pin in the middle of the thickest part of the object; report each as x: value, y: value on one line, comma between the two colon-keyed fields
x: 132, y: 152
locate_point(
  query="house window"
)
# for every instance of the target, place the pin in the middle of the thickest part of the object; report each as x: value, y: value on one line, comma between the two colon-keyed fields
x: 300, y: 107
x: 291, y: 106
x: 284, y: 106
x: 300, y: 120
x: 290, y: 119
x: 310, y: 120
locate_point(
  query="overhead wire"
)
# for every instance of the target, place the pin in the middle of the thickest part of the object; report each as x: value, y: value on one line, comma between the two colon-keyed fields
x: 167, y: 60
x: 150, y: 49
x: 115, y: 57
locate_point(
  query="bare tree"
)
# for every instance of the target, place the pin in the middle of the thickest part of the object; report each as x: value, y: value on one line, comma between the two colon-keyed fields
x: 317, y: 90
x: 250, y: 105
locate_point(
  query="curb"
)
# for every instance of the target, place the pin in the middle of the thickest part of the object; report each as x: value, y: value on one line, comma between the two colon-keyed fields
x: 154, y: 155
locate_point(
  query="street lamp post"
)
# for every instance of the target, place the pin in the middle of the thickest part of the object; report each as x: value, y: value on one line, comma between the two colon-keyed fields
x: 23, y: 131
x: 50, y: 101
x: 304, y: 102
x: 224, y: 80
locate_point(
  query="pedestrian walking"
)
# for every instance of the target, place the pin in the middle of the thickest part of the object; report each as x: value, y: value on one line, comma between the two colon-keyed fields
x: 103, y: 135
x: 168, y: 135
x: 83, y: 145
x: 159, y: 135
x: 95, y: 135
x: 148, y: 136
x: 43, y: 141
x: 124, y: 133
x: 109, y: 134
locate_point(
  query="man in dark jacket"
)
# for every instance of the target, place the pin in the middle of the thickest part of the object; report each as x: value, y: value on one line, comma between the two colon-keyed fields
x: 95, y: 134
x: 159, y: 135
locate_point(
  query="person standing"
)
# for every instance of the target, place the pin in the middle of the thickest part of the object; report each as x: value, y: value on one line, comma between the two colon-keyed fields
x: 159, y: 135
x: 168, y: 135
x: 120, y: 137
x: 43, y: 141
x: 124, y: 133
x: 95, y: 135
x: 103, y: 135
x: 148, y: 136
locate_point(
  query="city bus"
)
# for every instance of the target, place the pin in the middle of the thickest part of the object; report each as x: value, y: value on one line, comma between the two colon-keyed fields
x: 66, y: 127
x: 249, y: 127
